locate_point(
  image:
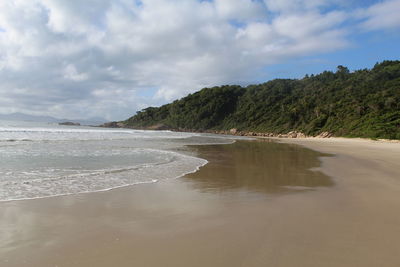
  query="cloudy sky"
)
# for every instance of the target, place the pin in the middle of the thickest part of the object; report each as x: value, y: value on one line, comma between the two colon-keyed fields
x: 110, y: 58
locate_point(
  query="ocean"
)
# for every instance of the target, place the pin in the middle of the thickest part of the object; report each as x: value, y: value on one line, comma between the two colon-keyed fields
x: 42, y: 160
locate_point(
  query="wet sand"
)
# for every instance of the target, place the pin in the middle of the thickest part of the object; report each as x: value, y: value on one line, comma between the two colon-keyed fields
x: 254, y: 204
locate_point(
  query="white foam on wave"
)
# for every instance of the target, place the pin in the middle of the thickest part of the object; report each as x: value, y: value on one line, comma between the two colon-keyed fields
x: 63, y: 160
x: 58, y: 133
x: 74, y: 130
x: 176, y: 166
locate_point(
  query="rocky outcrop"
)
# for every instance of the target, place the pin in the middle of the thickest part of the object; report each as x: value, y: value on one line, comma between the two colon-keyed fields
x: 291, y: 134
x: 324, y: 135
x: 233, y: 131
x: 158, y: 127
x: 113, y: 124
x: 295, y: 134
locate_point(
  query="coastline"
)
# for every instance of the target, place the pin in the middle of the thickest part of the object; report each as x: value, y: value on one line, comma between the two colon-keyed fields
x: 236, y: 132
x: 194, y: 221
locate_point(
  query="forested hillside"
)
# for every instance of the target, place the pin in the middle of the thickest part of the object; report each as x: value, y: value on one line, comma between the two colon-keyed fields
x: 364, y: 103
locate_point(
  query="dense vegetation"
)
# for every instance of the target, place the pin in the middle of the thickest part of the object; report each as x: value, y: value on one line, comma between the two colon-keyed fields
x: 364, y: 103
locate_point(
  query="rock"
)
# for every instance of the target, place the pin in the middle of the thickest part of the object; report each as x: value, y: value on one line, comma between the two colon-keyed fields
x: 301, y: 135
x: 295, y: 134
x: 292, y: 134
x: 325, y: 135
x: 158, y: 127
x: 112, y: 124
x: 233, y: 131
x: 283, y: 135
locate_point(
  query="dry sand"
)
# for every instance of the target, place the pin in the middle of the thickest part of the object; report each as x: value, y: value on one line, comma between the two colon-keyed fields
x: 254, y: 204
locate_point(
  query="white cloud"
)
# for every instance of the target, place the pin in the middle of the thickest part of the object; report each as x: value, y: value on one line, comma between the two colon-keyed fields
x: 89, y: 58
x: 288, y: 6
x: 71, y: 73
x: 240, y: 9
x: 383, y: 15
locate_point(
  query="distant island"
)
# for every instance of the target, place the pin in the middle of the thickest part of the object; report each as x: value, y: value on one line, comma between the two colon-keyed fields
x: 363, y: 103
x: 48, y: 119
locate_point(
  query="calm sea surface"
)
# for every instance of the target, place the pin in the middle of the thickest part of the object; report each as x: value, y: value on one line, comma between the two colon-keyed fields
x: 41, y: 160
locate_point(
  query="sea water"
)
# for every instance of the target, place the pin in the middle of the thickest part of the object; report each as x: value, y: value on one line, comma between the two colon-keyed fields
x: 42, y: 160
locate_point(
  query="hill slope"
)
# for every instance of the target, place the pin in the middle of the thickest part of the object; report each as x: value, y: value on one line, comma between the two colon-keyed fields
x: 365, y: 103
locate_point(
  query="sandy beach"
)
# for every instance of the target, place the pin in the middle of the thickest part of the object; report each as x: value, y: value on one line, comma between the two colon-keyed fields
x: 309, y: 202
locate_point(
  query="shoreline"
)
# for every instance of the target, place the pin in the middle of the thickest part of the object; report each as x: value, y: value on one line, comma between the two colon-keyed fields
x: 208, y: 219
x: 235, y: 132
x: 108, y: 189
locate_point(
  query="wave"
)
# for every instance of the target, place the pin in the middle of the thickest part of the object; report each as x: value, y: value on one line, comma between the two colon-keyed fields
x: 175, y: 166
x: 71, y: 130
x: 13, y: 134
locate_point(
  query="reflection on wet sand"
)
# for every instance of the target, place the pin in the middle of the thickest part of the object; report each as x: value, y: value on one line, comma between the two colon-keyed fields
x: 259, y: 166
x: 226, y: 221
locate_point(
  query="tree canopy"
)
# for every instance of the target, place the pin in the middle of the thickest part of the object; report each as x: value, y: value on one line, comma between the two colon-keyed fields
x: 363, y: 103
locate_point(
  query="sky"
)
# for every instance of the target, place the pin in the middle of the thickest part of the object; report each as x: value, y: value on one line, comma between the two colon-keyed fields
x: 98, y: 58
